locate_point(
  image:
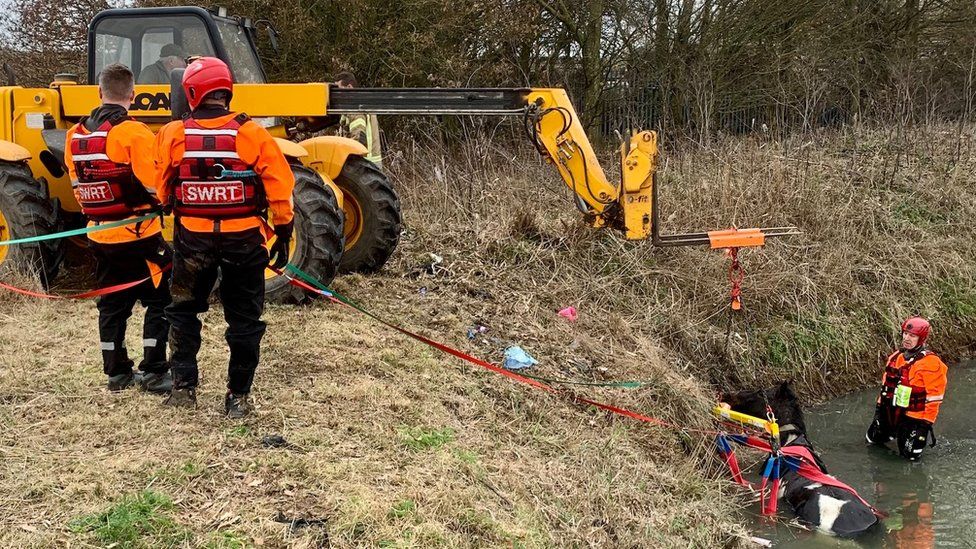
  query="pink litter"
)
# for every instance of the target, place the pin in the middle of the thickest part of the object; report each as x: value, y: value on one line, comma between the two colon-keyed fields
x: 569, y: 313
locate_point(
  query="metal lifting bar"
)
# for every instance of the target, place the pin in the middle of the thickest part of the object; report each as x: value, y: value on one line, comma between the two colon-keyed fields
x: 699, y: 238
x: 429, y: 101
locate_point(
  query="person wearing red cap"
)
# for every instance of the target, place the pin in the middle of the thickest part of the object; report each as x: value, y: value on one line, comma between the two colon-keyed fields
x: 221, y: 173
x: 912, y: 390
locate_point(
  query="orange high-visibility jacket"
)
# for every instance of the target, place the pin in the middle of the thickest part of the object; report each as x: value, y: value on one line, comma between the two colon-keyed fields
x: 129, y: 142
x: 255, y: 147
x: 927, y: 378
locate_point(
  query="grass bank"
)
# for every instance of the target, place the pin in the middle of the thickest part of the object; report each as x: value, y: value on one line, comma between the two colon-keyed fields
x: 887, y: 216
x: 389, y: 443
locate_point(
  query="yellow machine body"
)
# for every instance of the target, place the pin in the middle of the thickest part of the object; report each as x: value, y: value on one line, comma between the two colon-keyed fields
x: 23, y: 112
x: 625, y: 205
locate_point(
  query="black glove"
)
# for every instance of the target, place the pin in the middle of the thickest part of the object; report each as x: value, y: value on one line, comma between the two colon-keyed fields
x: 278, y: 255
x: 877, y: 433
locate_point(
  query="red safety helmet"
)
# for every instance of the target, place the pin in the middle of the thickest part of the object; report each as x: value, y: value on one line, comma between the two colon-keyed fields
x: 203, y: 76
x: 918, y: 326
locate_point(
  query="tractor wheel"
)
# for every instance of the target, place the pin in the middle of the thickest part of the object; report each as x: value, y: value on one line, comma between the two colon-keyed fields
x: 317, y: 242
x: 372, y: 211
x: 25, y: 211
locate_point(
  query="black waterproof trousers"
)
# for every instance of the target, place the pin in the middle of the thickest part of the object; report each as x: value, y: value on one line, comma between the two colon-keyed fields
x: 912, y: 434
x: 240, y: 259
x: 128, y: 262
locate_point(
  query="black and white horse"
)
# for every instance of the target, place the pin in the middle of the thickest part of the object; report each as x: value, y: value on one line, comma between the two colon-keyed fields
x: 833, y: 509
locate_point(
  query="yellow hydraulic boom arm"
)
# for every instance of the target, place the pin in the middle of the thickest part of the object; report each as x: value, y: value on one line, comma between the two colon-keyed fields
x: 555, y: 129
x: 552, y: 124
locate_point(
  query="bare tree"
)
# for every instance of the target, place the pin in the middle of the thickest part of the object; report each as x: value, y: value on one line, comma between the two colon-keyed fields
x: 45, y: 37
x: 688, y: 66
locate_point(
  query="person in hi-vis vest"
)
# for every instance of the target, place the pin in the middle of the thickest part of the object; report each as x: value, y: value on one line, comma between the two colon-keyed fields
x: 913, y: 387
x: 362, y: 127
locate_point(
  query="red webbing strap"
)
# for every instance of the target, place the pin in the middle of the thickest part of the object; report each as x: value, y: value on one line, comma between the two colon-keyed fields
x: 773, y: 495
x: 768, y: 507
x: 499, y: 370
x: 84, y: 295
x: 728, y: 453
x: 762, y: 496
x: 814, y: 474
x: 808, y: 468
x: 437, y: 345
x: 304, y: 286
x: 733, y: 463
x: 627, y: 413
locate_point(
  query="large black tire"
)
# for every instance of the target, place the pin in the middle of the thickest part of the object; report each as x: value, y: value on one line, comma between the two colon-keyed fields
x: 318, y: 237
x: 373, y: 219
x: 27, y: 211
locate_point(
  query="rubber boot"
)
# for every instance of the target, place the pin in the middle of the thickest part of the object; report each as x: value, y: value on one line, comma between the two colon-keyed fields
x: 121, y: 382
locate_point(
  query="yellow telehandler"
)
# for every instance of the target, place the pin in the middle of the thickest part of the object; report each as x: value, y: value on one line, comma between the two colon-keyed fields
x: 347, y: 212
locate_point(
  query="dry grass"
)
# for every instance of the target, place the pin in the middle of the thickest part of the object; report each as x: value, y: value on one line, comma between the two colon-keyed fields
x: 392, y: 445
x: 396, y: 445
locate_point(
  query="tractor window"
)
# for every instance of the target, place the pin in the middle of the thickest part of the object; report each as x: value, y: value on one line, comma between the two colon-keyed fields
x: 138, y: 41
x: 243, y: 59
x: 110, y: 49
x: 152, y: 45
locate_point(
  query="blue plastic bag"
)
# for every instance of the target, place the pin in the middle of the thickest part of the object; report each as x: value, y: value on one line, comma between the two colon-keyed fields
x: 517, y: 359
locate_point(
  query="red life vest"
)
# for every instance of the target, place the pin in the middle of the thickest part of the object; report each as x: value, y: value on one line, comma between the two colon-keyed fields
x: 895, y: 376
x: 213, y: 182
x: 107, y: 190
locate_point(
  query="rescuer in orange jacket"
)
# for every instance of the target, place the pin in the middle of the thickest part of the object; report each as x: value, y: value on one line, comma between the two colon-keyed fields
x: 912, y: 389
x: 220, y: 172
x: 109, y: 160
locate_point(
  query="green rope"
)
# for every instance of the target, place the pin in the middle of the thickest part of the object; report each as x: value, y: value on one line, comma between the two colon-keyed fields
x: 615, y: 384
x: 77, y: 232
x: 314, y: 282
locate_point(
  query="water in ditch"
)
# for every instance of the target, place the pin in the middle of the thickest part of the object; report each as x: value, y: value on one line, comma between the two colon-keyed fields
x: 931, y: 503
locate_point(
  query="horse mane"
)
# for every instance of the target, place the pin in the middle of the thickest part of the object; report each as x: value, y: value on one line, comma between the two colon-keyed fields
x: 786, y: 406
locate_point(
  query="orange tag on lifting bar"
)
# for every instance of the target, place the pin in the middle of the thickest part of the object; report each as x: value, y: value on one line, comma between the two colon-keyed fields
x: 736, y: 238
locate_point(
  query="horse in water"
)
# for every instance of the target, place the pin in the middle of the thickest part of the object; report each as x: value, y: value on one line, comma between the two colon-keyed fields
x: 830, y: 508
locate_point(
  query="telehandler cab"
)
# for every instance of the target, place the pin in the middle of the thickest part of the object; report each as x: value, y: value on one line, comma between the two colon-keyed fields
x: 347, y: 212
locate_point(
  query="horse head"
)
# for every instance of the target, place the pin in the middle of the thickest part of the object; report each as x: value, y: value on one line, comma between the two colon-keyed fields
x: 780, y: 398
